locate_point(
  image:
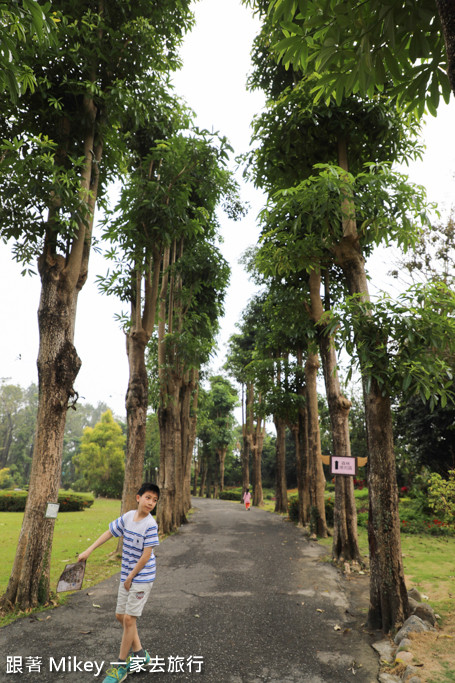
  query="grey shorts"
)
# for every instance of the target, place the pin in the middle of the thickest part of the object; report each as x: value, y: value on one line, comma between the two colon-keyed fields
x: 132, y: 602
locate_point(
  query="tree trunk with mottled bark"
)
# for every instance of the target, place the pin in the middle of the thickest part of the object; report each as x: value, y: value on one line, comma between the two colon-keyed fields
x: 62, y: 278
x: 300, y: 431
x: 245, y: 450
x: 446, y: 10
x: 388, y: 597
x: 345, y: 546
x: 281, y: 493
x: 316, y: 473
x: 143, y: 315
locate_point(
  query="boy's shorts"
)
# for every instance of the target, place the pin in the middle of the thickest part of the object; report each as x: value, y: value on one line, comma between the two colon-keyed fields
x: 132, y: 602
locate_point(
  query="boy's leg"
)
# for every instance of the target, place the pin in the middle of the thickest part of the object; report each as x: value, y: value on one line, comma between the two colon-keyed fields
x: 130, y: 638
x: 137, y: 598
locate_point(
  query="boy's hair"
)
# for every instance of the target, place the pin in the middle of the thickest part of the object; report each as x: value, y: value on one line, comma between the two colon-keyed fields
x: 149, y: 487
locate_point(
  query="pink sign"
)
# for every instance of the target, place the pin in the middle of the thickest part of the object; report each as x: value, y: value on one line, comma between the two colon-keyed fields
x: 340, y: 465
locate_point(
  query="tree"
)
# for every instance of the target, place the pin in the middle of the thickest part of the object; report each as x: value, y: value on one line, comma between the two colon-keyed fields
x: 346, y: 238
x: 137, y: 228
x: 63, y: 144
x: 168, y: 267
x: 18, y: 408
x: 20, y: 23
x: 222, y: 399
x: 365, y: 48
x: 239, y: 365
x: 100, y: 462
x: 216, y: 433
x: 85, y: 415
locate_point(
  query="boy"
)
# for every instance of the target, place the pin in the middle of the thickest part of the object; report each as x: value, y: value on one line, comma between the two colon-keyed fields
x: 140, y: 534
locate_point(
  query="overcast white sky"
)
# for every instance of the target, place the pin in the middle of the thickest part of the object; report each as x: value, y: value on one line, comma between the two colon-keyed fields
x: 216, y: 63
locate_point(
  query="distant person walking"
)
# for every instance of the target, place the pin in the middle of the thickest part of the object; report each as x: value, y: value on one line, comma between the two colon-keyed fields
x: 247, y: 498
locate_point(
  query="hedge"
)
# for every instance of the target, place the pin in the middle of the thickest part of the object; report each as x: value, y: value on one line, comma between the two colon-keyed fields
x: 14, y: 501
x: 230, y: 495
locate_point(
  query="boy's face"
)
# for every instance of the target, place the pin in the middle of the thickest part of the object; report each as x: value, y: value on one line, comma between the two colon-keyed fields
x: 147, y: 502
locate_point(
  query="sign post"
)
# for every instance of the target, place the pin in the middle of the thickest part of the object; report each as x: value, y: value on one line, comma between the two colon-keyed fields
x: 343, y: 465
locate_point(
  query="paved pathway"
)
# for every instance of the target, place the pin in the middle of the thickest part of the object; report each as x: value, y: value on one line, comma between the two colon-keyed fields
x: 240, y: 597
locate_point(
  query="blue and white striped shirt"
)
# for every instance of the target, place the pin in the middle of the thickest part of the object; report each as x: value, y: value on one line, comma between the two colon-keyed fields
x: 136, y: 537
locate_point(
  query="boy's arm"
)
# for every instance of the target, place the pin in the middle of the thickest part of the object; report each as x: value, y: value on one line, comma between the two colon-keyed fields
x: 99, y: 541
x: 142, y: 561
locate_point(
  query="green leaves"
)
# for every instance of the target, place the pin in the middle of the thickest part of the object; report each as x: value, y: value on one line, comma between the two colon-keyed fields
x: 407, y: 345
x: 360, y: 48
x: 19, y: 23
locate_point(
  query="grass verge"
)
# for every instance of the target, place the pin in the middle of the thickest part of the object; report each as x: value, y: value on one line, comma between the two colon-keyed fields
x: 429, y: 566
x: 73, y: 533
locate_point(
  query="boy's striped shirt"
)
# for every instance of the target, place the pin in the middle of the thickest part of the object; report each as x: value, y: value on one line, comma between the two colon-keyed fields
x: 136, y: 537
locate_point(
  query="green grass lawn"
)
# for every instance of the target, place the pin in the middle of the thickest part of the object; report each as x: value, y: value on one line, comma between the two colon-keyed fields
x: 73, y: 533
x: 429, y: 566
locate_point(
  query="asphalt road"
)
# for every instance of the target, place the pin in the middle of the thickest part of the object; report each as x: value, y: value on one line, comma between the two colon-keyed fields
x: 240, y: 597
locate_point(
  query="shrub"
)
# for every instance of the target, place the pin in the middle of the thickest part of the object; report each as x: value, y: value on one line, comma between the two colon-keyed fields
x: 293, y: 508
x: 441, y: 496
x: 329, y: 505
x: 362, y: 518
x: 14, y: 501
x: 230, y: 495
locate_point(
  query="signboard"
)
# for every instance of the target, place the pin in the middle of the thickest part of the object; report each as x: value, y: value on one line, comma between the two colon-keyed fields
x: 341, y: 465
x: 71, y: 577
x: 51, y: 511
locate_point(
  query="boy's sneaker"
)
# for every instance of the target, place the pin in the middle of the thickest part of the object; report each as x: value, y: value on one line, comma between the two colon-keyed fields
x: 137, y: 664
x: 116, y: 674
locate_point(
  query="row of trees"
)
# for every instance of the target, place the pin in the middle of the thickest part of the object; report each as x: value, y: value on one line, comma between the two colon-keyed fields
x: 95, y: 105
x: 324, y: 149
x: 423, y: 438
x: 98, y: 106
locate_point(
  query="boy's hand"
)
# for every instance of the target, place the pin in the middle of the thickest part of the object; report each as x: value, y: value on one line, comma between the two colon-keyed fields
x: 127, y: 583
x: 83, y: 556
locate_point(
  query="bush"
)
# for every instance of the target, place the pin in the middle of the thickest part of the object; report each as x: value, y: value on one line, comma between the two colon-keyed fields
x: 231, y: 495
x: 362, y: 518
x: 441, y: 496
x: 329, y: 505
x: 73, y: 502
x: 14, y: 501
x: 293, y: 508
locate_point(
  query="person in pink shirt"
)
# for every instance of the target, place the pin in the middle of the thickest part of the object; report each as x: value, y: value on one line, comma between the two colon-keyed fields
x: 247, y: 499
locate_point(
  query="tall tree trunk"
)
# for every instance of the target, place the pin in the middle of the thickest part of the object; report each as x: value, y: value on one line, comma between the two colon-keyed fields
x: 143, y: 315
x: 204, y: 467
x: 221, y: 459
x: 256, y: 452
x: 301, y: 447
x: 246, y: 441
x: 281, y: 492
x: 177, y: 427
x: 316, y: 472
x: 136, y: 417
x: 446, y: 10
x: 168, y: 398
x: 388, y: 597
x: 58, y: 365
x: 189, y: 423
x: 345, y: 546
x: 196, y: 473
x: 62, y: 278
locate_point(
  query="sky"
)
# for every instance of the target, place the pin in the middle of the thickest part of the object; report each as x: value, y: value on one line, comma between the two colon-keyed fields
x: 212, y: 81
